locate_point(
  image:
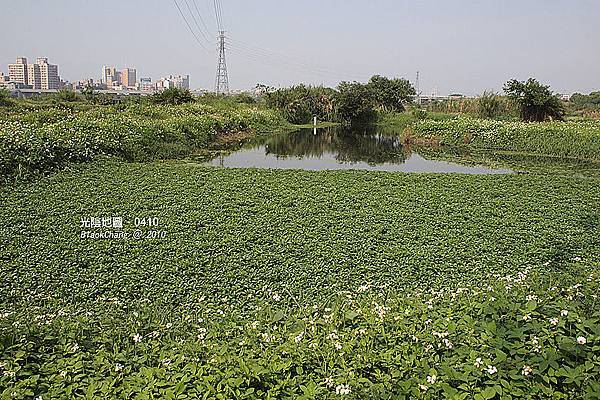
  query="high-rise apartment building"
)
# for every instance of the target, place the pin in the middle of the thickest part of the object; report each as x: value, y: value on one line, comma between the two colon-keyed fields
x: 17, y: 72
x: 146, y: 85
x: 34, y: 76
x: 43, y: 75
x: 128, y: 77
x: 181, y: 81
x: 111, y: 77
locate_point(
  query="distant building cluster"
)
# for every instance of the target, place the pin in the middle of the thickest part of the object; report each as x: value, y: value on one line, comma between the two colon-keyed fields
x: 38, y: 76
x: 125, y: 79
x: 43, y: 76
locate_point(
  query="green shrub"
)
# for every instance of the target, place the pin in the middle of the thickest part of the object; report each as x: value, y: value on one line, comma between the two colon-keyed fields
x: 173, y: 96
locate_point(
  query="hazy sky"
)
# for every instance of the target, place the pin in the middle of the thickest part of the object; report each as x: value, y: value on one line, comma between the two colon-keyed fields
x: 462, y: 46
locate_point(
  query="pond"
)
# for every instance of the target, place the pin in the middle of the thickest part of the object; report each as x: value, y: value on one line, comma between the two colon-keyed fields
x: 366, y: 148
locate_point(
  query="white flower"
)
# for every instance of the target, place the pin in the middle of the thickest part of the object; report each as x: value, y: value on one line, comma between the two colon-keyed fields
x: 491, y: 369
x: 478, y: 362
x: 337, y: 345
x: 577, y: 259
x: 361, y: 331
x: 527, y: 317
x: 553, y: 321
x: 526, y: 370
x: 431, y: 379
x: 137, y: 338
x: 363, y: 288
x: 380, y: 311
x: 268, y: 338
x: 201, y: 334
x: 276, y: 297
x: 564, y: 313
x: 118, y: 367
x: 329, y: 382
x: 343, y: 389
x: 298, y: 338
x: 423, y: 388
x: 581, y: 340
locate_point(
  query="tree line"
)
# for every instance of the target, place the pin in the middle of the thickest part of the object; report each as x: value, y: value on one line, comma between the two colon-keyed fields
x: 349, y: 102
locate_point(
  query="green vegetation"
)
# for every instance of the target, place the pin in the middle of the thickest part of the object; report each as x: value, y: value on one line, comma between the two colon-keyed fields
x: 352, y: 102
x: 49, y: 136
x: 355, y: 102
x: 173, y: 96
x: 291, y: 284
x: 391, y: 95
x: 489, y: 105
x: 560, y: 139
x: 5, y: 98
x: 299, y: 104
x: 591, y: 100
x: 536, y: 101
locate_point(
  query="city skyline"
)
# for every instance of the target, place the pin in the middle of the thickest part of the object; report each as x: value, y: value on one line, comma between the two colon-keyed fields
x: 43, y: 75
x: 465, y: 47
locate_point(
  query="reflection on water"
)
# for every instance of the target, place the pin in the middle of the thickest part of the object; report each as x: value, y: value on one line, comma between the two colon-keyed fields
x: 367, y: 148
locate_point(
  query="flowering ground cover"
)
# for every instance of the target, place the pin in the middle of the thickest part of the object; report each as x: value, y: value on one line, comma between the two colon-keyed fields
x: 296, y: 284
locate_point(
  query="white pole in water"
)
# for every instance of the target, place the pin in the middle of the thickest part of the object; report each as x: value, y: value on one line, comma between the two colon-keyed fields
x: 315, y: 121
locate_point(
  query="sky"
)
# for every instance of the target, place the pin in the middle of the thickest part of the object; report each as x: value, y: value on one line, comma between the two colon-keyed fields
x: 458, y: 46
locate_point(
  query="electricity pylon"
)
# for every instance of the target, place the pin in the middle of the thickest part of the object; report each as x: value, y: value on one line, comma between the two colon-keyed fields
x: 222, y: 81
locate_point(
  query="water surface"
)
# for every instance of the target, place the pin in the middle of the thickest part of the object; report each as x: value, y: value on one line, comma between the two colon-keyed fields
x: 336, y: 148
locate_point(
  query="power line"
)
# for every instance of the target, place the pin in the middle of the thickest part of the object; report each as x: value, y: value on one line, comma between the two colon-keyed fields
x: 295, y: 60
x: 200, y: 16
x: 218, y: 14
x: 189, y: 26
x: 196, y: 21
x: 273, y: 59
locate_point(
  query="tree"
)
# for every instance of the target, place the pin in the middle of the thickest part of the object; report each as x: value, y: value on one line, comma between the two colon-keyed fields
x: 591, y: 100
x: 536, y: 101
x: 391, y: 94
x: 173, y: 96
x: 355, y: 102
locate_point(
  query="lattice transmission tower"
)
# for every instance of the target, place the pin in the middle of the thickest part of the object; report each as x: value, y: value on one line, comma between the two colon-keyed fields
x: 222, y: 81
